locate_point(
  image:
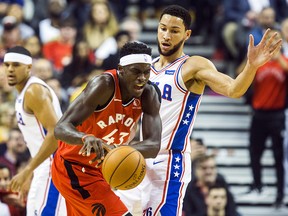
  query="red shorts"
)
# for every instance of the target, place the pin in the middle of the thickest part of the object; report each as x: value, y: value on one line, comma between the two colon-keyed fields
x: 86, y: 193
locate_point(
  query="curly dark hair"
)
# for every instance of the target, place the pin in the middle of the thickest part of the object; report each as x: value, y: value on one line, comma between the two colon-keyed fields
x: 180, y: 12
x: 135, y: 48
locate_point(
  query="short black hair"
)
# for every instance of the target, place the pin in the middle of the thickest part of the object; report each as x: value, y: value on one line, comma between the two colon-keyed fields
x: 121, y: 33
x: 20, y: 50
x: 135, y: 48
x: 180, y: 12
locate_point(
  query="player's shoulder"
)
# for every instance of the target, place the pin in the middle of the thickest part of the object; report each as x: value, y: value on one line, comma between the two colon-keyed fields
x: 196, y: 63
x: 197, y: 59
x: 103, y: 79
x: 152, y: 89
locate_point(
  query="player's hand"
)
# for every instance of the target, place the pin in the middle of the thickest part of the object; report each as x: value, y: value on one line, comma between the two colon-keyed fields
x: 107, y: 148
x: 265, y: 50
x: 18, y: 182
x: 93, y: 144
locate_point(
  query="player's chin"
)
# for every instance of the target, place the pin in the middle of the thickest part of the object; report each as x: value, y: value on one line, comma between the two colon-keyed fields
x: 138, y: 91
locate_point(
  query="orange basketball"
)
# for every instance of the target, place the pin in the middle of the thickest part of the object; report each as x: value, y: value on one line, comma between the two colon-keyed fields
x: 124, y: 168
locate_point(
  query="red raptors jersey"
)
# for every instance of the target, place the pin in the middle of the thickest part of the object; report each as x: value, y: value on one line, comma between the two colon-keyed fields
x: 112, y: 124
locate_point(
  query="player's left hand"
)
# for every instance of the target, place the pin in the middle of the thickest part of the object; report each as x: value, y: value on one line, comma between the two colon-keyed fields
x: 265, y: 50
x: 93, y: 144
x: 19, y: 181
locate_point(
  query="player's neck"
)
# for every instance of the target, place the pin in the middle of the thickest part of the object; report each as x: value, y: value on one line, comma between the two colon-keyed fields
x: 165, y: 60
x: 20, y: 86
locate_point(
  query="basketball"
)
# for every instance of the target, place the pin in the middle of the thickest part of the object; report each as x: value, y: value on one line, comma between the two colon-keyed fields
x: 124, y: 168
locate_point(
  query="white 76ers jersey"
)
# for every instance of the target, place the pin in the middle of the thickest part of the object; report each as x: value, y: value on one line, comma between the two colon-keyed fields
x: 178, y: 106
x: 32, y: 130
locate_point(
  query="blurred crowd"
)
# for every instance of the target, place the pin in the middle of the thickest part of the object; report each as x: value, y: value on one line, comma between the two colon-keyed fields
x: 72, y: 40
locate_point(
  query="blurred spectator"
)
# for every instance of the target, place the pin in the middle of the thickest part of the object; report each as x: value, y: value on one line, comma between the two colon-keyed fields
x: 15, y: 204
x: 237, y: 14
x: 16, y: 11
x: 110, y: 47
x: 81, y: 65
x: 197, y: 148
x: 112, y: 60
x: 59, y: 51
x: 61, y: 93
x: 7, y: 120
x: 34, y: 45
x: 42, y: 68
x: 216, y: 201
x: 79, y: 9
x: 101, y: 24
x: 268, y: 101
x: 120, y: 8
x: 133, y: 26
x: 284, y: 31
x: 11, y: 35
x: 206, y: 175
x: 5, y: 4
x: 266, y: 19
x: 15, y: 150
x: 49, y: 27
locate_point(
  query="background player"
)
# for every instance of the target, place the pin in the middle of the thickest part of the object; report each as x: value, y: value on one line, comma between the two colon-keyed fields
x: 37, y: 111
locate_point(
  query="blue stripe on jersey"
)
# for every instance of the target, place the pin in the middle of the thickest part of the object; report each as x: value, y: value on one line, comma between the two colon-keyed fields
x: 170, y: 206
x: 185, y: 123
x: 52, y: 200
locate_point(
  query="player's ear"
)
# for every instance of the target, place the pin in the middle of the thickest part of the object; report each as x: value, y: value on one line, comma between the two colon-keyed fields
x: 188, y: 34
x: 120, y: 69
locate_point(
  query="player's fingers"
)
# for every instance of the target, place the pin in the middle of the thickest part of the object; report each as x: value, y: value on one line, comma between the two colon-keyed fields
x: 88, y: 150
x: 106, y: 147
x: 251, y: 40
x: 265, y: 36
x: 82, y: 150
x: 93, y: 160
x: 276, y: 48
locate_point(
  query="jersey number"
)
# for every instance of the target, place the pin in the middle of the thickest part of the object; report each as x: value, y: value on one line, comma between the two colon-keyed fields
x: 110, y: 139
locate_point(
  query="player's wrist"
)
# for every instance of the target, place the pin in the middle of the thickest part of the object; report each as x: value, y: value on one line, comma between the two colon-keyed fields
x: 85, y: 136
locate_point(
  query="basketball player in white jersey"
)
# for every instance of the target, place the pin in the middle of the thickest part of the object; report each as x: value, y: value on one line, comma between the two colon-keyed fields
x: 181, y: 80
x: 37, y: 112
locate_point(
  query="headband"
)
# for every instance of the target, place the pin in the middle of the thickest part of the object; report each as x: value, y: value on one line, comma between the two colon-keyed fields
x: 135, y: 58
x: 17, y: 57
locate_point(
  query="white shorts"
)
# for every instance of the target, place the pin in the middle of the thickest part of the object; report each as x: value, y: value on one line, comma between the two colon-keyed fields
x: 43, y: 198
x: 163, y: 189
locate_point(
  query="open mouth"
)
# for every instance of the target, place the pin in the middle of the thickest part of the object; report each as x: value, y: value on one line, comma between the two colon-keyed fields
x: 139, y: 86
x: 165, y: 45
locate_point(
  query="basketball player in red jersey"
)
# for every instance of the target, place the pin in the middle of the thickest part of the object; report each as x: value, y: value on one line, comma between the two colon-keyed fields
x: 104, y: 116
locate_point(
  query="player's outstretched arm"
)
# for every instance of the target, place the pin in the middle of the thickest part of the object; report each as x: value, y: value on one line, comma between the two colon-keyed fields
x: 199, y: 71
x: 151, y: 123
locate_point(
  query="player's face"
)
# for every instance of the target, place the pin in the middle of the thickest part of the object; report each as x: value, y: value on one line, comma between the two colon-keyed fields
x: 16, y: 73
x: 135, y: 77
x: 171, y: 35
